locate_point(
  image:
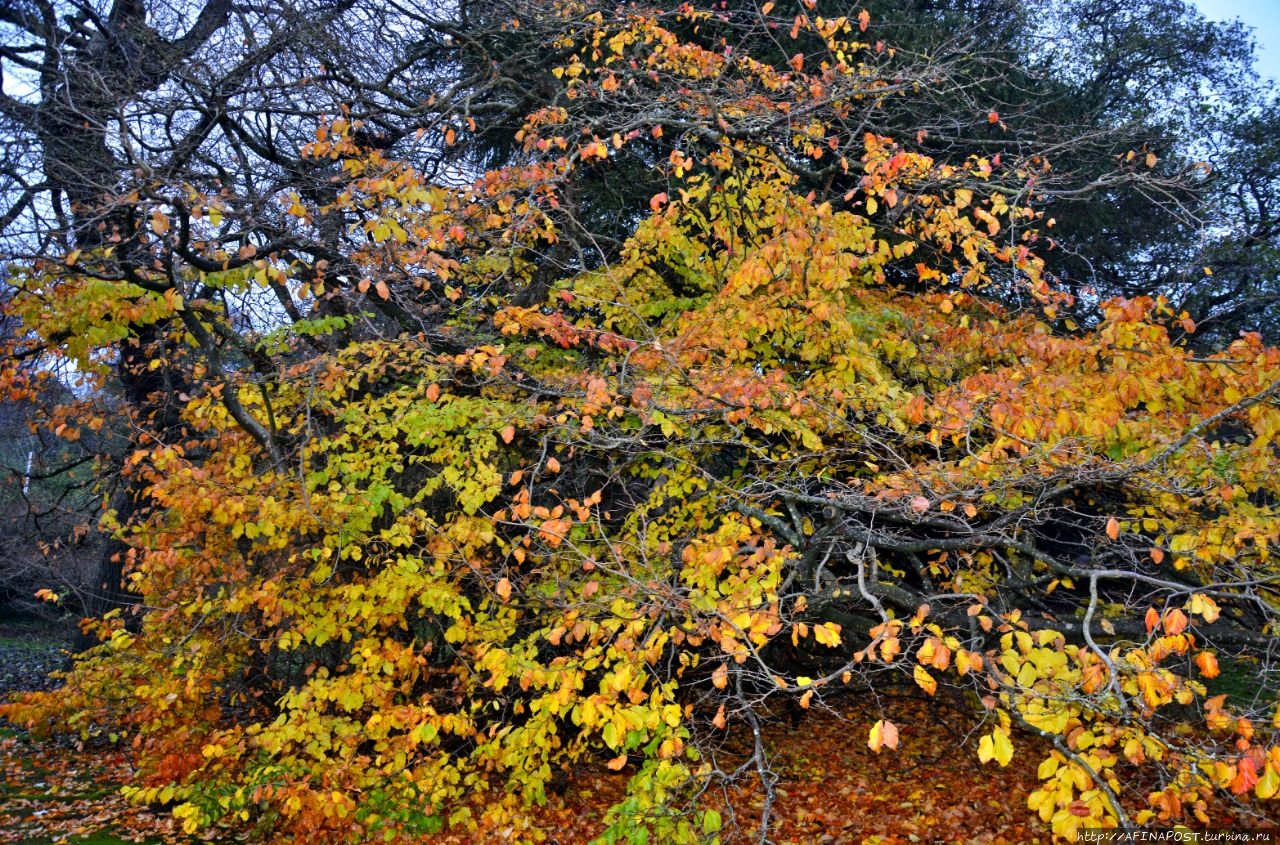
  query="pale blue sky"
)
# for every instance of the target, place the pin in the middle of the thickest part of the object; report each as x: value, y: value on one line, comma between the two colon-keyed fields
x: 1264, y: 17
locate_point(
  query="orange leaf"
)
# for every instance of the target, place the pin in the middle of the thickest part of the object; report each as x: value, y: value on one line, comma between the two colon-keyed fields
x: 864, y: 18
x: 617, y: 763
x: 884, y: 734
x: 1152, y: 619
x: 657, y: 201
x: 433, y: 392
x: 1175, y: 622
x: 508, y: 434
x: 1113, y: 528
x: 553, y: 465
x: 1208, y: 664
x: 1246, y: 776
x: 796, y: 62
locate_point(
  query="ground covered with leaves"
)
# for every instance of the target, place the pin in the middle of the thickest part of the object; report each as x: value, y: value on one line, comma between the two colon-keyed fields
x: 831, y: 788
x: 56, y: 792
x: 30, y: 648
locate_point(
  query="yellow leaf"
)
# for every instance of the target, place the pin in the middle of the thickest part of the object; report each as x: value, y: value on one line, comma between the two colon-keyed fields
x: 924, y: 679
x: 828, y: 634
x: 1002, y: 748
x: 1269, y: 784
x: 1204, y: 606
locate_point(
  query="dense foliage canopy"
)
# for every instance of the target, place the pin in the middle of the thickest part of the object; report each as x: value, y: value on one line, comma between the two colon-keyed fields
x: 561, y: 381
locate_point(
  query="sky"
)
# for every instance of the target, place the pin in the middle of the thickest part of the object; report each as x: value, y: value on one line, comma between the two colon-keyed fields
x: 1264, y: 17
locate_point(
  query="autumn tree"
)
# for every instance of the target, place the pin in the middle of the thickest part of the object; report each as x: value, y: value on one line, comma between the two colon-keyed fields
x: 1154, y: 87
x: 447, y: 488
